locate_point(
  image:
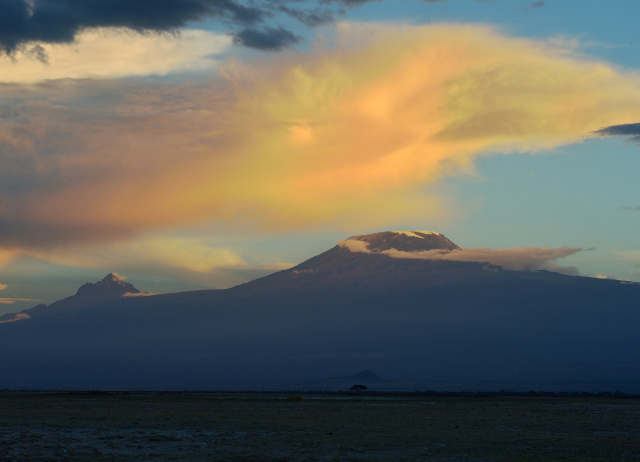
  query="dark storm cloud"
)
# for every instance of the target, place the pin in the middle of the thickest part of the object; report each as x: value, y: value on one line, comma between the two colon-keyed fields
x: 59, y: 21
x: 269, y: 38
x: 632, y: 130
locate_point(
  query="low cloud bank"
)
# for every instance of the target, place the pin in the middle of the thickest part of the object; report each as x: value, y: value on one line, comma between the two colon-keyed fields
x: 516, y: 259
x: 17, y: 317
x: 11, y: 301
x: 139, y: 294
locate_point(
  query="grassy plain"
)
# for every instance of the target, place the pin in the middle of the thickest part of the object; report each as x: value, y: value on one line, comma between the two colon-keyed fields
x: 315, y: 427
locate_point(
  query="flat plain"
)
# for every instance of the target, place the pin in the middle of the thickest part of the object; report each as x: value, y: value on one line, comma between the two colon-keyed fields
x: 149, y: 426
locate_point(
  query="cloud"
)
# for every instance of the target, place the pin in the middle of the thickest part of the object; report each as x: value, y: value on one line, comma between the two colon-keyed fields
x: 516, y: 259
x: 11, y: 301
x: 119, y: 277
x: 537, y: 4
x: 17, y: 317
x: 156, y: 251
x: 312, y: 18
x: 6, y: 255
x: 347, y: 135
x: 632, y: 256
x: 630, y: 208
x: 52, y: 21
x: 139, y: 294
x: 631, y: 130
x: 3, y: 286
x: 27, y: 22
x: 269, y: 38
x: 187, y: 254
x: 113, y: 53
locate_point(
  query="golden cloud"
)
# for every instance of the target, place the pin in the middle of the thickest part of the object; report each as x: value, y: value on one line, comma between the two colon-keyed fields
x: 5, y: 257
x: 344, y: 136
x: 152, y: 251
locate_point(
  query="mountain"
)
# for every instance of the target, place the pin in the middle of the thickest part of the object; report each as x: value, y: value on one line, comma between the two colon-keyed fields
x: 419, y: 323
x: 407, y: 241
x: 111, y: 287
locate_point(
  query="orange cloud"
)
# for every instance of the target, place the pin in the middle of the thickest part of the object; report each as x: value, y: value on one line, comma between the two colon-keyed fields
x: 343, y: 135
x: 6, y: 255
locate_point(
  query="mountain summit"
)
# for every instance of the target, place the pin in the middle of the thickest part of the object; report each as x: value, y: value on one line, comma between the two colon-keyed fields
x: 406, y: 241
x: 347, y: 265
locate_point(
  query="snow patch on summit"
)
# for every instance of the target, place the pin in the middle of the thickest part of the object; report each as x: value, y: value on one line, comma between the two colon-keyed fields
x: 413, y: 233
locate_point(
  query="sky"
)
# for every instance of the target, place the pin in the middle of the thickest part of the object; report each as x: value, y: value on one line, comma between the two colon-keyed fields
x: 194, y: 144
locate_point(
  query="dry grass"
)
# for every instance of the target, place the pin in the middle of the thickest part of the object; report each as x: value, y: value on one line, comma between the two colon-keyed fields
x: 236, y: 427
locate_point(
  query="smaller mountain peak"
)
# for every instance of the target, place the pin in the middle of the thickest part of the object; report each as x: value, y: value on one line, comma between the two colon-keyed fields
x: 405, y: 241
x: 112, y: 283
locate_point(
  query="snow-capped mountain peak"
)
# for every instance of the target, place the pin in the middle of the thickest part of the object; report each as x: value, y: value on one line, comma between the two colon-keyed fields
x: 406, y: 241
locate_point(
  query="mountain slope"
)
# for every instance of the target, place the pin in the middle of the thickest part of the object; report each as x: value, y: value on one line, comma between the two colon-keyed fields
x: 411, y: 321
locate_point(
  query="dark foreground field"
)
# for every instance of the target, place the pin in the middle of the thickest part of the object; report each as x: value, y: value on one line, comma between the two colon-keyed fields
x: 219, y: 426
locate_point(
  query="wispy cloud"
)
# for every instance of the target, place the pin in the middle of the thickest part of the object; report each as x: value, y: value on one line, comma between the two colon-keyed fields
x: 11, y: 301
x: 3, y: 286
x: 629, y: 255
x: 17, y: 317
x: 139, y: 294
x: 517, y: 259
x: 344, y: 136
x: 184, y: 259
x: 187, y: 254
